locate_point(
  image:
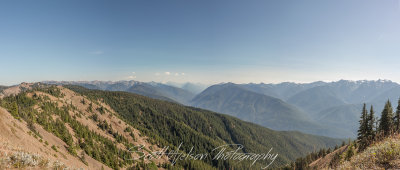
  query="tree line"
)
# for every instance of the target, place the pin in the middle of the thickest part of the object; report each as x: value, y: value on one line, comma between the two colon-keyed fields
x: 372, y: 129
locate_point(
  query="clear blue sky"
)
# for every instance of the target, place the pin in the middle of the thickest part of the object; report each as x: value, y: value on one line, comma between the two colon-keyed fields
x: 199, y: 41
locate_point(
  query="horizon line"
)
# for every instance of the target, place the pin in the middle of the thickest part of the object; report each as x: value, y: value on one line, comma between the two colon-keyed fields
x: 272, y: 83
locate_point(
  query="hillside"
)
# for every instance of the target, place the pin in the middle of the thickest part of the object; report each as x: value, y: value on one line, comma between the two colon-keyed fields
x: 264, y: 110
x: 20, y: 148
x: 94, y: 128
x: 344, y: 116
x: 147, y: 90
x: 316, y: 99
x: 384, y: 154
x: 49, y: 127
x: 164, y: 117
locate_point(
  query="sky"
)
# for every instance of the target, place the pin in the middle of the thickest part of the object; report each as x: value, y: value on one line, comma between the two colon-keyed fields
x: 207, y: 41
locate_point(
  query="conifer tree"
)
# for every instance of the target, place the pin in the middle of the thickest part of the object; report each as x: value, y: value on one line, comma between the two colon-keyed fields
x: 14, y: 110
x: 386, y: 122
x: 377, y: 122
x: 397, y: 117
x: 363, y: 129
x: 371, y: 124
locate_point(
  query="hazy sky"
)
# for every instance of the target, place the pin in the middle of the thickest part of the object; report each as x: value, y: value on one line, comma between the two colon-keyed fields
x: 199, y: 41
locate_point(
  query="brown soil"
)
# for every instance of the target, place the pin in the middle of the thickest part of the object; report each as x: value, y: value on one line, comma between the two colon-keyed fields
x: 16, y: 137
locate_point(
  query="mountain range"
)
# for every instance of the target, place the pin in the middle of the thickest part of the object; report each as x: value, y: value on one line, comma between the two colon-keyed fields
x: 321, y: 108
x: 261, y: 109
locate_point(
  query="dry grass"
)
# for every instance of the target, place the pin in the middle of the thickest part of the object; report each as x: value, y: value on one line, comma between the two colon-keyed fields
x: 19, y: 148
x: 324, y: 162
x: 381, y: 155
x: 20, y: 159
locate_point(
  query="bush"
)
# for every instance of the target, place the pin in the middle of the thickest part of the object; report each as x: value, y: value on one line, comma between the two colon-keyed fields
x: 54, y: 148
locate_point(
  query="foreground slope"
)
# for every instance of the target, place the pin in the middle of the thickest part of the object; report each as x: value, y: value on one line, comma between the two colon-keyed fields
x: 59, y: 128
x: 384, y: 154
x: 20, y: 148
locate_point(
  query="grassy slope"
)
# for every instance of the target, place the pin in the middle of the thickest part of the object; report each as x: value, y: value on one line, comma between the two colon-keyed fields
x: 381, y: 155
x: 384, y: 154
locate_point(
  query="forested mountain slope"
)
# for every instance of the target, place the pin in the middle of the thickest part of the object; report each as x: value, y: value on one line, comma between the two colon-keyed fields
x: 171, y: 124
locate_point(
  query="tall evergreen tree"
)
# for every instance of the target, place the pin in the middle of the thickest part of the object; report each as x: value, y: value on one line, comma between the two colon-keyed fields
x: 386, y: 122
x: 14, y: 110
x: 371, y: 124
x: 363, y: 129
x: 397, y: 117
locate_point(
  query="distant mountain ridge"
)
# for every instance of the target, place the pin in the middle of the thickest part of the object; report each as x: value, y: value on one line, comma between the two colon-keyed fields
x: 151, y: 89
x: 195, y: 88
x: 282, y: 90
x: 333, y: 103
x: 261, y: 109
